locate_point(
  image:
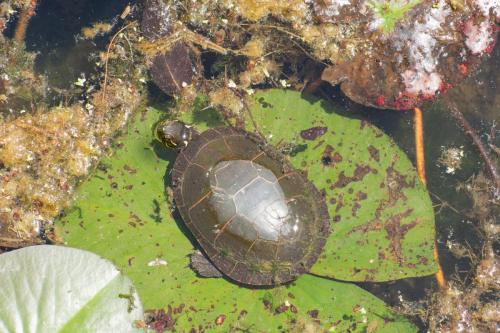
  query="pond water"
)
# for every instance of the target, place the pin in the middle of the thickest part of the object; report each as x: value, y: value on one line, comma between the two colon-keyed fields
x: 64, y: 58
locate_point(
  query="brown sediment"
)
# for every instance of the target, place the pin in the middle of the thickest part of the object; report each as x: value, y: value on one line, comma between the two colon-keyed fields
x: 396, y: 233
x: 161, y: 320
x: 361, y: 196
x: 393, y: 225
x: 395, y: 230
x: 355, y: 207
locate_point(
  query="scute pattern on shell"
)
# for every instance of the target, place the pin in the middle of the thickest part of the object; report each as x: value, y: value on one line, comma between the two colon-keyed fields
x: 258, y: 262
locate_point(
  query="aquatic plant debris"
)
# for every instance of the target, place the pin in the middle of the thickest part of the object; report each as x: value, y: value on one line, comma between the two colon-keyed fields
x: 8, y: 9
x: 428, y: 51
x: 43, y: 156
x: 157, y: 19
x: 393, y: 54
x: 20, y: 86
x: 468, y: 307
x: 451, y: 158
x: 46, y: 151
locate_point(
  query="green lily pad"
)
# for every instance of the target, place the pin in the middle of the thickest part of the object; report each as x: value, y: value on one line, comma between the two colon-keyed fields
x: 122, y: 213
x: 59, y: 289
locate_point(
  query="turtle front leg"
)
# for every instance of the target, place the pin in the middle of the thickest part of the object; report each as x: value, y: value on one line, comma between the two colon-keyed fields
x: 202, y: 266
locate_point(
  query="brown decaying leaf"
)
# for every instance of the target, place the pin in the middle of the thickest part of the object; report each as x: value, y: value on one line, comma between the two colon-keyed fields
x: 173, y: 70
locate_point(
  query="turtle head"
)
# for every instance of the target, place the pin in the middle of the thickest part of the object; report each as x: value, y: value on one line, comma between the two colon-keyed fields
x: 173, y: 133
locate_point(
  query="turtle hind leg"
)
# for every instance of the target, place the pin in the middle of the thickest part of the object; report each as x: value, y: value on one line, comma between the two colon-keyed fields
x: 202, y: 266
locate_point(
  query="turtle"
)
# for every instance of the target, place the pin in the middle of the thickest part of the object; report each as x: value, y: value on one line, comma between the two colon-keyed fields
x: 257, y: 220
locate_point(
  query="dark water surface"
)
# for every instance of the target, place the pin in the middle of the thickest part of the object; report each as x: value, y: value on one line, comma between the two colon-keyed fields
x: 53, y: 33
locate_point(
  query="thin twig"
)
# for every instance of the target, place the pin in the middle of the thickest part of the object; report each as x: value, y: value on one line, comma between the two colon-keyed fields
x: 15, y: 243
x: 469, y: 130
x: 250, y: 115
x: 293, y: 37
x: 107, y: 58
x: 445, y: 204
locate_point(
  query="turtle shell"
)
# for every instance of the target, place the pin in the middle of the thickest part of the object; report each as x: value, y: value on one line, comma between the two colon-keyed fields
x: 258, y: 220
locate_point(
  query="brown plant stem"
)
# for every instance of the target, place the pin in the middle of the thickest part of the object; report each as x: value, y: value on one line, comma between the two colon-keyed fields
x: 419, y: 149
x: 419, y: 145
x: 16, y: 243
x: 108, y: 51
x: 22, y: 23
x: 469, y: 130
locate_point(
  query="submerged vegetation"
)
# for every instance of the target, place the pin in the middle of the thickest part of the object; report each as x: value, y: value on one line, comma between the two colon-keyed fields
x: 473, y: 305
x: 45, y: 151
x: 20, y: 87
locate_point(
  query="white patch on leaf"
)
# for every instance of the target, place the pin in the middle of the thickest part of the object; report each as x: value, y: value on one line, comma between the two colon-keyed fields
x: 157, y: 262
x: 424, y: 50
x: 421, y: 82
x: 478, y: 38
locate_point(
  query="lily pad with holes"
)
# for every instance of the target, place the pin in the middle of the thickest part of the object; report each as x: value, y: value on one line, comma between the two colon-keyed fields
x: 122, y: 213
